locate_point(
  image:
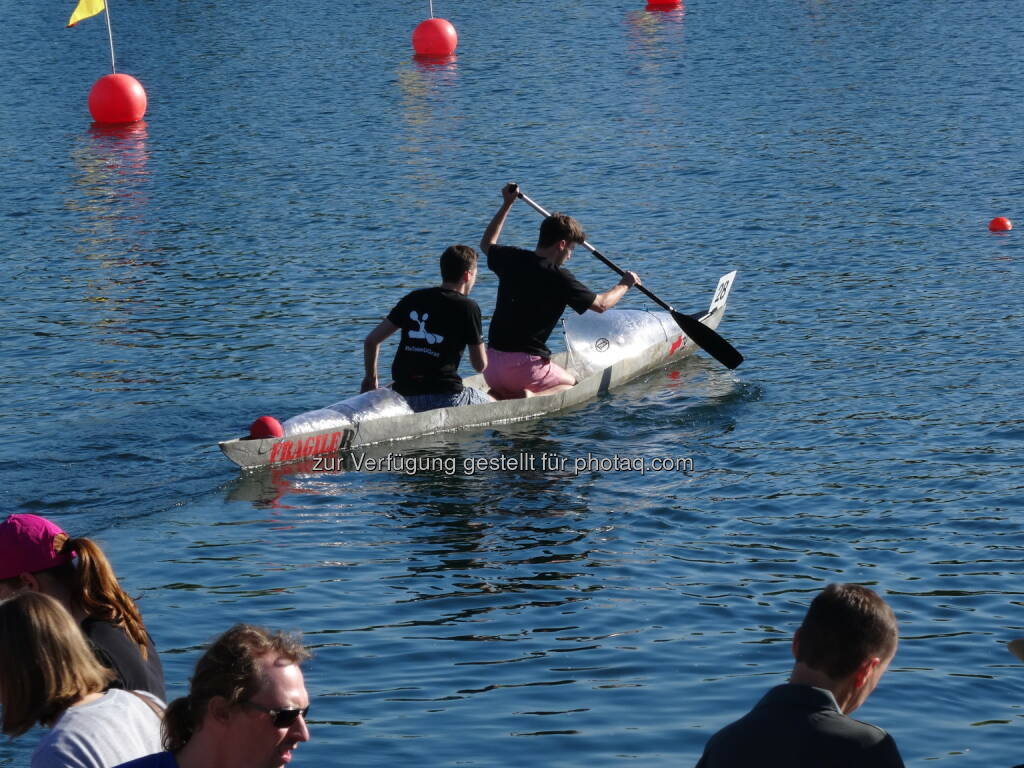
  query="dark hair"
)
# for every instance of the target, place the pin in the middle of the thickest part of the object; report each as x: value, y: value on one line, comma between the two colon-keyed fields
x: 229, y: 668
x: 46, y: 664
x: 845, y: 625
x: 456, y: 261
x: 557, y: 227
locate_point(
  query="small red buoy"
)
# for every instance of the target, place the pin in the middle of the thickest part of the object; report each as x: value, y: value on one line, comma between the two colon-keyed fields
x: 434, y: 37
x: 117, y: 99
x: 264, y: 427
x: 663, y: 5
x: 1000, y: 224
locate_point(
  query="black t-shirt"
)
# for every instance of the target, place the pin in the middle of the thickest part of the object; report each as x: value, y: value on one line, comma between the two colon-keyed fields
x: 799, y: 726
x: 532, y: 294
x: 116, y: 650
x: 437, y: 324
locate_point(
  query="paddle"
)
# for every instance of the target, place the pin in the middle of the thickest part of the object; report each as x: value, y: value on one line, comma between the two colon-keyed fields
x: 1017, y: 648
x: 704, y: 337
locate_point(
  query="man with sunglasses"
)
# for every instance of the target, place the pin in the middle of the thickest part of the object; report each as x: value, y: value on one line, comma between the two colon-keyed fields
x: 246, y: 706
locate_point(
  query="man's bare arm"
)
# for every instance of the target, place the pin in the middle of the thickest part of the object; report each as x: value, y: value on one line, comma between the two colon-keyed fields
x: 478, y: 356
x: 493, y: 231
x: 608, y: 299
x: 371, y: 348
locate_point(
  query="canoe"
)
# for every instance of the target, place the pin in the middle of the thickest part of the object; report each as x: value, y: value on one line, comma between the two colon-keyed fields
x: 603, y: 351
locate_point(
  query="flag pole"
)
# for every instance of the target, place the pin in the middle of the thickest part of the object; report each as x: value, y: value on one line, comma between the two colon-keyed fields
x: 431, y: 8
x: 110, y: 36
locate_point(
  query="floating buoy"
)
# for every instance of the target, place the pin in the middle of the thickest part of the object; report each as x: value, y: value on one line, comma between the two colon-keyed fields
x: 1000, y: 224
x: 117, y: 98
x: 264, y: 427
x: 434, y: 37
x: 663, y: 5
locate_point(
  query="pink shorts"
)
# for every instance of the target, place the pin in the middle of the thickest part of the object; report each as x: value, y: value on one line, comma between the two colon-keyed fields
x: 509, y: 373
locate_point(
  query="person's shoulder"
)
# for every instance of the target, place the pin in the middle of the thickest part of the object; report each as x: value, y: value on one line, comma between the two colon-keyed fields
x: 94, y: 629
x: 868, y: 728
x: 878, y: 747
x: 67, y: 743
x: 509, y: 251
x: 862, y: 743
x: 413, y: 297
x: 113, y: 699
x: 865, y: 733
x: 47, y: 753
x: 459, y: 298
x: 419, y: 293
x: 565, y: 272
x: 156, y: 760
x: 109, y: 636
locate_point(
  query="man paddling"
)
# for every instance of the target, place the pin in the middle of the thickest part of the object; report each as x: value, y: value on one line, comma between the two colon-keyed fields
x: 437, y: 324
x: 533, y: 291
x: 842, y: 649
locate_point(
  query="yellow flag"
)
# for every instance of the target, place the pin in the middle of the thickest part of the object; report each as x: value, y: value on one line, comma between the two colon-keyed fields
x: 85, y: 9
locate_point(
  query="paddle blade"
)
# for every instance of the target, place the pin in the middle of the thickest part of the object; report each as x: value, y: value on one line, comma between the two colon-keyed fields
x: 1017, y: 648
x: 708, y: 340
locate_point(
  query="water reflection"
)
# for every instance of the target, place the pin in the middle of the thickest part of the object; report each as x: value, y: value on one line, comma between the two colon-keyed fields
x: 673, y: 11
x: 656, y: 45
x: 432, y: 64
x: 422, y: 84
x: 112, y: 171
x: 655, y: 26
x: 109, y: 200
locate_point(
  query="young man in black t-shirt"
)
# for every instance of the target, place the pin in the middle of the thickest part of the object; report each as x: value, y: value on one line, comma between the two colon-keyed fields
x: 437, y: 324
x: 533, y: 291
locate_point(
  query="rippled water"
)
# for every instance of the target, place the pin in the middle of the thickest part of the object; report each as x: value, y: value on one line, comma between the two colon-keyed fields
x: 298, y: 171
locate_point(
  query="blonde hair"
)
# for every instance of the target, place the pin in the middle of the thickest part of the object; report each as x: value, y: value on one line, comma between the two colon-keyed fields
x: 46, y: 664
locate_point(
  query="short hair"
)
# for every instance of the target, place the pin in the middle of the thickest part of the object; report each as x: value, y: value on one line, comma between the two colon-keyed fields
x: 229, y: 668
x: 456, y: 261
x: 845, y: 625
x: 46, y: 664
x: 557, y: 227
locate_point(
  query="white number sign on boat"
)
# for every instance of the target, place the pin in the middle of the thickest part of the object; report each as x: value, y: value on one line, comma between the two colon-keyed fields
x: 603, y: 350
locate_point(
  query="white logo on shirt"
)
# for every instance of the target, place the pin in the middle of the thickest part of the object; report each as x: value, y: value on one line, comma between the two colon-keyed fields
x: 423, y: 333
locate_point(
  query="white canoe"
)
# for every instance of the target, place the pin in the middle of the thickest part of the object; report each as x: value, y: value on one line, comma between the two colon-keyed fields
x: 603, y: 351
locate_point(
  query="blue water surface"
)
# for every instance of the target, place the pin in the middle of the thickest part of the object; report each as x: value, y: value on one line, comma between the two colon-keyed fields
x: 298, y: 170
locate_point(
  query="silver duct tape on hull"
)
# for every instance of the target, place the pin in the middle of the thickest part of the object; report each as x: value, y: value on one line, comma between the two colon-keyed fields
x: 249, y: 454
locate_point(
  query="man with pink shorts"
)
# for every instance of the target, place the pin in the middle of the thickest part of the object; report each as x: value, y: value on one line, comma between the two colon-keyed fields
x: 533, y: 291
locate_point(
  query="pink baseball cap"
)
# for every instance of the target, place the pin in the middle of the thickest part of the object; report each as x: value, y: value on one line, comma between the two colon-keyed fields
x: 29, y: 543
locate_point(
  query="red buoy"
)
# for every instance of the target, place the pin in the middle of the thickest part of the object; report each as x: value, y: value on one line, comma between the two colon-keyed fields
x: 663, y: 5
x: 434, y: 37
x: 264, y: 427
x: 117, y: 99
x: 1000, y: 224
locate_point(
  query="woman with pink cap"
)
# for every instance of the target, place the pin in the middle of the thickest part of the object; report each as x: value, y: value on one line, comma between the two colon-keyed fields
x: 36, y: 555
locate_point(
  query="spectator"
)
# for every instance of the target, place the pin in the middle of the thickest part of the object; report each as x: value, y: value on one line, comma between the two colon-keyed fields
x: 246, y: 706
x: 48, y: 675
x: 842, y: 649
x: 36, y: 555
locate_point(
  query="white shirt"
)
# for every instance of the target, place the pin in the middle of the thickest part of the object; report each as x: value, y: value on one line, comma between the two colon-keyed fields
x: 111, y: 730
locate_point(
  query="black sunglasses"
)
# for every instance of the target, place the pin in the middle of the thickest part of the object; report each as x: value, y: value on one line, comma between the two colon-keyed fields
x: 281, y: 718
